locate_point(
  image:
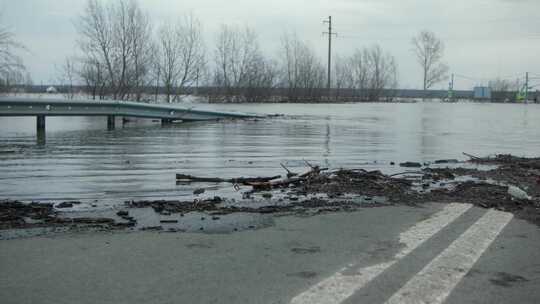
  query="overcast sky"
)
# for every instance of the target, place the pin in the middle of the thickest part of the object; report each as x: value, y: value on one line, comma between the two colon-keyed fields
x: 484, y: 38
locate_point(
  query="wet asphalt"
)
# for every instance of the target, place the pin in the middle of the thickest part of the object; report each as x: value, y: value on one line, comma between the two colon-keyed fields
x: 267, y: 265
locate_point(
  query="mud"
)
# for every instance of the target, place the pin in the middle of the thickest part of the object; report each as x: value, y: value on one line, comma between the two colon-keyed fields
x: 20, y: 215
x: 357, y: 182
x: 490, y: 188
x: 14, y: 214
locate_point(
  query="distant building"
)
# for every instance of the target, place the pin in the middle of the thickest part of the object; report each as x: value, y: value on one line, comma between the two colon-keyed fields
x: 51, y: 90
x: 483, y: 93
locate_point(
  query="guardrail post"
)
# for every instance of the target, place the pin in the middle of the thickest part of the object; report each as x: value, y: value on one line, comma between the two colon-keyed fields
x: 40, y: 129
x: 110, y: 122
x: 40, y: 123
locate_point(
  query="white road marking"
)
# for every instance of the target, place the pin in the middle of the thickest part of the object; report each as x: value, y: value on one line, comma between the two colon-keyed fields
x: 342, y: 285
x: 436, y: 281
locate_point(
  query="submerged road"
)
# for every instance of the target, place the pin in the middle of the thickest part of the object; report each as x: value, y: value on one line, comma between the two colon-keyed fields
x: 452, y: 253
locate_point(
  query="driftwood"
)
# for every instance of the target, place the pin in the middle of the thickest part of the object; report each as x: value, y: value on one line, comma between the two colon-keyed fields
x: 268, y: 185
x: 407, y: 172
x: 472, y: 156
x: 258, y: 183
x: 238, y: 180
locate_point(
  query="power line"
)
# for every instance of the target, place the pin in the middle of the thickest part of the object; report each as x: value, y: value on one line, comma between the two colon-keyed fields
x: 534, y: 36
x: 483, y: 79
x: 389, y: 23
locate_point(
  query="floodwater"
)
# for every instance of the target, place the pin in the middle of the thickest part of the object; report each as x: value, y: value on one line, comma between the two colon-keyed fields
x: 82, y: 160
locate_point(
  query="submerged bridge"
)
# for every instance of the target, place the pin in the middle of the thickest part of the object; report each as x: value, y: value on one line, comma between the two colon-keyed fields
x: 41, y: 108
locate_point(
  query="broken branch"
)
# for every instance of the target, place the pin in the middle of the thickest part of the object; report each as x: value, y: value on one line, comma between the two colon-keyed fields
x: 472, y: 156
x: 289, y: 172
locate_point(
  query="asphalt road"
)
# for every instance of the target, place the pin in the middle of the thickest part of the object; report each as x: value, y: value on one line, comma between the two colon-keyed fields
x: 430, y: 254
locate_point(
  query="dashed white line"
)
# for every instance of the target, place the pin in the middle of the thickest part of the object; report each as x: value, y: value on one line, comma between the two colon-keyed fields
x: 342, y: 285
x: 436, y: 281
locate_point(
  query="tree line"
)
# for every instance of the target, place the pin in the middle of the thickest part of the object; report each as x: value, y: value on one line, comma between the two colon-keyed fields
x: 122, y: 55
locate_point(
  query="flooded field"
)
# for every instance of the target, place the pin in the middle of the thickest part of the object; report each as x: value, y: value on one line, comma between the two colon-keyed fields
x: 82, y: 160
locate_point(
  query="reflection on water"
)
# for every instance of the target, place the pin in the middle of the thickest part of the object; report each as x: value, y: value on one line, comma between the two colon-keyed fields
x: 81, y: 159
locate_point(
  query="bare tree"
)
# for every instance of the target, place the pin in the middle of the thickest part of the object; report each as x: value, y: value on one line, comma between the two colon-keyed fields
x: 503, y: 89
x: 240, y: 66
x: 367, y: 73
x: 382, y: 70
x: 12, y: 69
x: 96, y: 42
x: 67, y: 77
x: 192, y: 55
x: 263, y: 77
x: 359, y: 72
x: 91, y: 73
x: 429, y: 51
x: 236, y: 51
x: 181, y: 56
x: 303, y: 71
x: 167, y: 68
x: 116, y: 39
x: 342, y: 74
x: 142, y: 49
x: 503, y: 85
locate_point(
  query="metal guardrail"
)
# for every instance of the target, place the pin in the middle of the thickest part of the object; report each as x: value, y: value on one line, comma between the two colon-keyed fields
x: 60, y: 107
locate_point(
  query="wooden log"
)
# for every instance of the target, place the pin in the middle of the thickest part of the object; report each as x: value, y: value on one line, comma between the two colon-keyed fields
x: 238, y: 180
x: 262, y: 186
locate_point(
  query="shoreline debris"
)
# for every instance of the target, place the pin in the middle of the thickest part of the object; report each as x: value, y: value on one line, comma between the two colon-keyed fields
x: 511, y: 184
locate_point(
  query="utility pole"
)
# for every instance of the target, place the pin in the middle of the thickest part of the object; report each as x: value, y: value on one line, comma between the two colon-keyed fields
x: 526, y: 86
x: 329, y: 33
x: 451, y: 89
